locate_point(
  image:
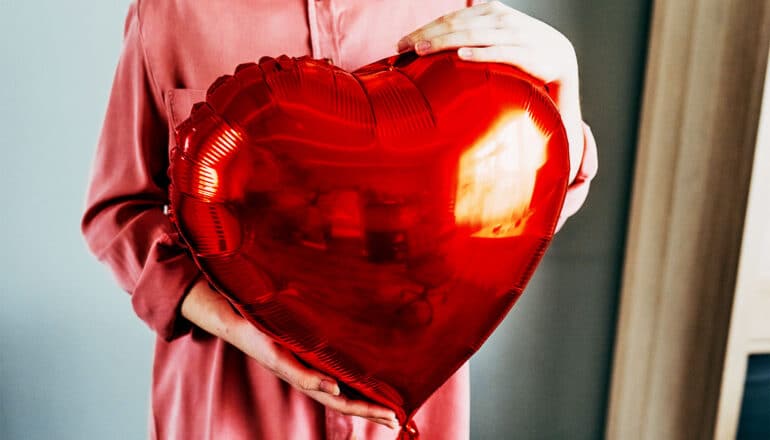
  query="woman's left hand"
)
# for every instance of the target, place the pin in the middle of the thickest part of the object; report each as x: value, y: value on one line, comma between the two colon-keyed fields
x: 494, y: 32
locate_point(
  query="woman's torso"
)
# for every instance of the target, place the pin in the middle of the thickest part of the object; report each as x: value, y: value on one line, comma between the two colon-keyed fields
x: 202, y: 387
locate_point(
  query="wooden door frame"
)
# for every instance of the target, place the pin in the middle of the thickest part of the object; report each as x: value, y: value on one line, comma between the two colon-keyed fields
x: 698, y: 130
x: 750, y: 318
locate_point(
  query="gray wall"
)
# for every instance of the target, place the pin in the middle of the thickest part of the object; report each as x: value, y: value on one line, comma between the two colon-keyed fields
x: 75, y: 361
x: 544, y: 373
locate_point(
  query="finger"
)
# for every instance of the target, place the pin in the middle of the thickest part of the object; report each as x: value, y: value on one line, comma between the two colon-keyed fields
x: 522, y: 57
x: 367, y: 410
x: 352, y: 407
x: 268, y: 64
x: 470, y: 37
x: 450, y: 26
x: 342, y: 404
x: 285, y: 62
x: 456, y: 18
x: 387, y: 422
x: 305, y: 379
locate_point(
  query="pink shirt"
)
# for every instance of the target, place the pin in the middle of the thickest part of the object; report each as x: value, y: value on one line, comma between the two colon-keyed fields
x: 203, y: 388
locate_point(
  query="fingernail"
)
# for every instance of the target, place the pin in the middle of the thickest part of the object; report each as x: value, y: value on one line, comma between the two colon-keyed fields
x: 402, y: 45
x: 464, y: 52
x: 422, y: 46
x: 330, y: 387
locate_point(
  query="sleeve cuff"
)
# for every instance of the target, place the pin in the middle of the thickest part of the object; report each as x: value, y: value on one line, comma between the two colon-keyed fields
x: 168, y: 275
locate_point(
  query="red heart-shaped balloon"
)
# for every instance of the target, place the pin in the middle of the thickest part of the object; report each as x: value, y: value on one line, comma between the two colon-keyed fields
x: 379, y: 223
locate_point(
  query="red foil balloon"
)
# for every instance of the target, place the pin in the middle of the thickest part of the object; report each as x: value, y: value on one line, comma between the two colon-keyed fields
x: 379, y: 223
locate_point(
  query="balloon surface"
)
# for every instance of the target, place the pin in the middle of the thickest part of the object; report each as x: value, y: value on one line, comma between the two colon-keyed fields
x: 379, y: 223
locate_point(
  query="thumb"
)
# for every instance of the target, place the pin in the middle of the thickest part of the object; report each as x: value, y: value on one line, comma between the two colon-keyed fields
x: 294, y: 371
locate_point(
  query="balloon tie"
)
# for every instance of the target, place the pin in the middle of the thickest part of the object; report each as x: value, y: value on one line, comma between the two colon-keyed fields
x: 409, y: 431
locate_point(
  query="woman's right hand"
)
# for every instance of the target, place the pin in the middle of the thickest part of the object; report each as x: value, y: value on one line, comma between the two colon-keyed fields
x: 210, y: 311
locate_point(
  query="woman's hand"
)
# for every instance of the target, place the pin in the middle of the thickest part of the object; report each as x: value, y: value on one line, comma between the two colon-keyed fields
x: 495, y: 32
x: 212, y: 312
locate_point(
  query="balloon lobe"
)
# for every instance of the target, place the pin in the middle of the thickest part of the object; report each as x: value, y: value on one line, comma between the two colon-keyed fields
x: 379, y: 223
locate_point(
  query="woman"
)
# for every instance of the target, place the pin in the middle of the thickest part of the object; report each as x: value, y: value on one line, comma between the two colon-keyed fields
x: 214, y: 375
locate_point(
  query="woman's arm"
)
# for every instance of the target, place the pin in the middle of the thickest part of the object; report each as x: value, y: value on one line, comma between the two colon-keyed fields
x: 577, y: 191
x: 210, y: 311
x: 125, y: 226
x: 495, y: 32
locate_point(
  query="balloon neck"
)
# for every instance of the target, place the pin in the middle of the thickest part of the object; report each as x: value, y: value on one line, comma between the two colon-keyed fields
x: 409, y: 431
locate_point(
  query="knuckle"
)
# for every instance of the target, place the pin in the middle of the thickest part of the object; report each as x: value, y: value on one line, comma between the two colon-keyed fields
x: 302, y: 381
x: 346, y: 410
x: 468, y: 35
x: 371, y: 411
x: 506, y: 20
x: 496, y: 5
x: 451, y: 24
x: 351, y: 409
x: 339, y: 404
x: 489, y: 6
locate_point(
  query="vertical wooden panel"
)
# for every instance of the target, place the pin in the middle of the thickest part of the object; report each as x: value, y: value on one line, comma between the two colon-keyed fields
x: 750, y: 322
x: 697, y: 135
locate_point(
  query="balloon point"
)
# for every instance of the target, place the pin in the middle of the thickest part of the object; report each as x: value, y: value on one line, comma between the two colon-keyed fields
x: 409, y: 431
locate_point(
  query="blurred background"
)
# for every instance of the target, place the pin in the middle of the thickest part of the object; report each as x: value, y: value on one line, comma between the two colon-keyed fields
x: 75, y: 360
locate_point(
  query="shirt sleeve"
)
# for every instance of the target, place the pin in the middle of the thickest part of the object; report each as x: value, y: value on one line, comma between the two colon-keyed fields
x: 124, y: 224
x: 577, y: 191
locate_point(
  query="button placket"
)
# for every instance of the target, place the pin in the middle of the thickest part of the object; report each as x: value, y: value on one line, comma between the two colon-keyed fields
x: 312, y: 20
x: 322, y: 21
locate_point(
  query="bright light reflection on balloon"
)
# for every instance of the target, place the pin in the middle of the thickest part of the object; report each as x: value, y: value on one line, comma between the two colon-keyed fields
x: 497, y: 175
x: 224, y: 144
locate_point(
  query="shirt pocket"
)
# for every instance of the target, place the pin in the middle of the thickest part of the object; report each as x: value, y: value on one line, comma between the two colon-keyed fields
x: 179, y: 103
